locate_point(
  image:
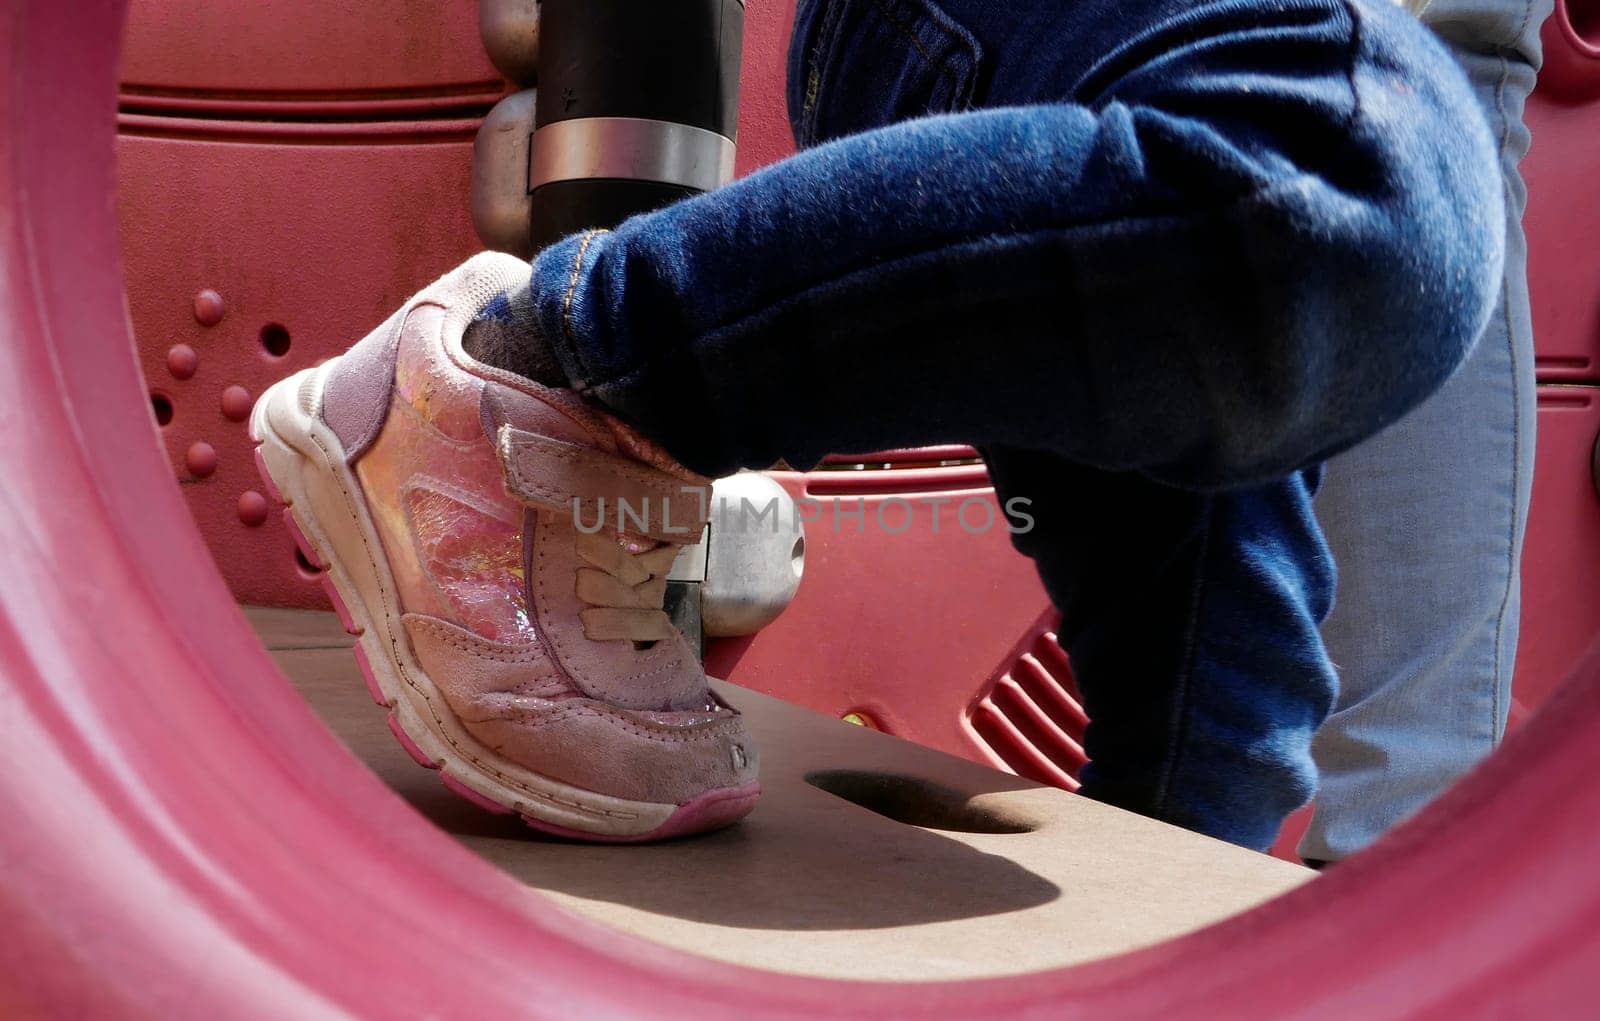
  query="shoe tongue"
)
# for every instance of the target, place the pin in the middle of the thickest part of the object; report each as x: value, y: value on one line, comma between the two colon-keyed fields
x: 674, y: 684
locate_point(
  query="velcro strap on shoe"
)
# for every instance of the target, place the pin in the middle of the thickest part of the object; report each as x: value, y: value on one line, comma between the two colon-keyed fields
x: 599, y: 489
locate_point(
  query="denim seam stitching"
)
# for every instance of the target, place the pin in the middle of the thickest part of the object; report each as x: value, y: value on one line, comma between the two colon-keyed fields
x: 1352, y: 60
x: 566, y: 305
x: 821, y: 62
x: 1184, y: 710
x: 827, y: 37
x: 939, y: 63
x: 1496, y: 702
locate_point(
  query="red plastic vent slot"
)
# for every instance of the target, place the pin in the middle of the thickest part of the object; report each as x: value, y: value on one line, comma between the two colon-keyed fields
x: 1028, y: 720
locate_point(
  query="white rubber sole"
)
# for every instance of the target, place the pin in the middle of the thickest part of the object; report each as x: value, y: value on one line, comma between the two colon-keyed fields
x: 304, y: 462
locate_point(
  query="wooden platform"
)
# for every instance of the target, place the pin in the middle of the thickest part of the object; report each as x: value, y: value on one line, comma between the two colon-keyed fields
x: 911, y: 864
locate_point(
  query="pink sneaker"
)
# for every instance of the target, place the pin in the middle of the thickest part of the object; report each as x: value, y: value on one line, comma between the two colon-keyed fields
x: 527, y: 659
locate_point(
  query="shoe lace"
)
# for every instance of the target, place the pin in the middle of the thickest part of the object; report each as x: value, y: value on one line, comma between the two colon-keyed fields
x: 625, y: 585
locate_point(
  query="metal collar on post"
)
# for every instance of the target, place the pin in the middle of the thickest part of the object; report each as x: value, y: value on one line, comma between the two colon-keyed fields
x: 630, y: 149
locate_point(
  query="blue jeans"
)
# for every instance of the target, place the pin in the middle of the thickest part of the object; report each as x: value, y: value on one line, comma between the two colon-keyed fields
x: 1426, y: 520
x: 1159, y: 259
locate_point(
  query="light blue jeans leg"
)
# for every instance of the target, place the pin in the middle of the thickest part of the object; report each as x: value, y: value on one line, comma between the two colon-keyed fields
x: 1426, y: 521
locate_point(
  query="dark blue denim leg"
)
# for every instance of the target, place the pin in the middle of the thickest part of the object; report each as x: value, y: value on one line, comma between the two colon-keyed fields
x: 1192, y: 623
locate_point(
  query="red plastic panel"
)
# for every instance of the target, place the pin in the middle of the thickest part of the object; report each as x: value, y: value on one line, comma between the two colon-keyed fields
x: 1571, y: 37
x: 1028, y: 719
x: 764, y: 135
x: 1563, y: 218
x: 303, y: 50
x: 1561, y: 557
x: 301, y: 247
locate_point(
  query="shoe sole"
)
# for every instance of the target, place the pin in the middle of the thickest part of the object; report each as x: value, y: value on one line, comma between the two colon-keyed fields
x: 302, y: 464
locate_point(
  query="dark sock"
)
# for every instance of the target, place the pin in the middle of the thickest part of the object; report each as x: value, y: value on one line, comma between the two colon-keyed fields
x: 507, y: 336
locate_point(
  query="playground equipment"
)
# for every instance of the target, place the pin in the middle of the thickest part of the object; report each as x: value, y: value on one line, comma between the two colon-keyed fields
x: 182, y: 836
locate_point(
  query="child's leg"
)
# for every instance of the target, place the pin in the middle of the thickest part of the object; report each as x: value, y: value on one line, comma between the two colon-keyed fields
x: 1427, y: 518
x: 1191, y: 619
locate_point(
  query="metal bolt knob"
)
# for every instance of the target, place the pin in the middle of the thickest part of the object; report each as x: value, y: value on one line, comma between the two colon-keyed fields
x: 510, y: 31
